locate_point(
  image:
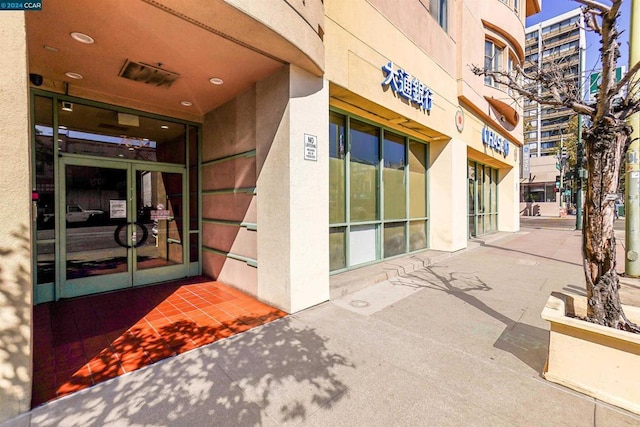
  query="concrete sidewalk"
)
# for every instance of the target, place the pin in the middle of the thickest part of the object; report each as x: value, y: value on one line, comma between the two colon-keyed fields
x: 458, y: 342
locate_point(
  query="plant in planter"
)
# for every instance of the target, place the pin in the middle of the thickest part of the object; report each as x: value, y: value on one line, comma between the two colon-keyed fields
x: 606, y: 138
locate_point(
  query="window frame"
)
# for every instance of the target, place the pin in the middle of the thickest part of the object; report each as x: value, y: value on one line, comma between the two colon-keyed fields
x: 495, y: 58
x: 439, y: 10
x: 340, y: 233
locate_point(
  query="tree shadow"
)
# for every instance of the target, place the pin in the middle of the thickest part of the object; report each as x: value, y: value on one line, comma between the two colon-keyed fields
x: 528, y: 343
x: 279, y: 373
x: 15, y: 334
x: 240, y: 379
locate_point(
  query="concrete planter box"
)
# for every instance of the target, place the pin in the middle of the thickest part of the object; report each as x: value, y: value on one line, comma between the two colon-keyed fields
x: 592, y: 359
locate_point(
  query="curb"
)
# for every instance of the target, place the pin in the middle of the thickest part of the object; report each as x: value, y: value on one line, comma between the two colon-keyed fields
x: 352, y: 281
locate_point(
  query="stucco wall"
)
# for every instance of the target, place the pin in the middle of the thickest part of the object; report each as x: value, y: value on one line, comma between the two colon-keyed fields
x: 228, y: 200
x: 16, y: 287
x: 257, y: 141
x: 293, y: 193
x: 288, y: 30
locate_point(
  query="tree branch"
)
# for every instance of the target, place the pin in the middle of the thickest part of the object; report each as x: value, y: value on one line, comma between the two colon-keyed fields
x: 591, y: 4
x: 627, y: 77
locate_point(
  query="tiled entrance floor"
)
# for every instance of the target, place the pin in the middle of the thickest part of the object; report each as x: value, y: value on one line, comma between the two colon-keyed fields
x: 83, y: 341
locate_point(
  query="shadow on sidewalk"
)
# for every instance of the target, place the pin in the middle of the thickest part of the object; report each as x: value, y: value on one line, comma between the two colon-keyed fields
x: 530, y: 254
x: 237, y: 381
x: 528, y: 343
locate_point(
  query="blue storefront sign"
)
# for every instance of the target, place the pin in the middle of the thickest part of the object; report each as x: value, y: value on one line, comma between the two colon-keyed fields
x: 495, y: 141
x: 410, y: 88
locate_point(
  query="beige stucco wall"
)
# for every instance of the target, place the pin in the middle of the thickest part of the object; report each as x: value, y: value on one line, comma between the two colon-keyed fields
x: 227, y: 200
x: 356, y: 49
x: 15, y: 221
x: 408, y: 36
x: 293, y: 193
x: 288, y: 30
x: 289, y: 205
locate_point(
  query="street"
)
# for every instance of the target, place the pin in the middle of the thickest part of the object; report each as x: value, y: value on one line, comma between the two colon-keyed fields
x: 567, y: 223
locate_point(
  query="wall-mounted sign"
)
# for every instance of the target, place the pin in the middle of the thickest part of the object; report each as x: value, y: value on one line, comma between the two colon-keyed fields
x: 160, y: 214
x: 495, y: 141
x: 117, y: 209
x: 408, y: 87
x: 459, y: 119
x: 310, y: 147
x: 526, y: 164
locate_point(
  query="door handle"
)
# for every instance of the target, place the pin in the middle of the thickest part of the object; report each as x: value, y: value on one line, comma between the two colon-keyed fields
x: 134, y: 236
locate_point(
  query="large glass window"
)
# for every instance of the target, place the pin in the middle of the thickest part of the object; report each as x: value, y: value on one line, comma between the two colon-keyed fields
x: 363, y: 171
x: 95, y: 131
x: 45, y: 187
x: 537, y: 192
x: 337, y: 191
x: 337, y: 205
x: 483, y: 199
x: 395, y: 190
x: 374, y: 213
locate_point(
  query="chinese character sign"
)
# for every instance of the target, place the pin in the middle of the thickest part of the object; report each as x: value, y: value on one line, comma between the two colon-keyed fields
x: 407, y: 86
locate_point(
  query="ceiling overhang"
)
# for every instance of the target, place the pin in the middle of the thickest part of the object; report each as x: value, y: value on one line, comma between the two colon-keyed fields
x: 187, y: 56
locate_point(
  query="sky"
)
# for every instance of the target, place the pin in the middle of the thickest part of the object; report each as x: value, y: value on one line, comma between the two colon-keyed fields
x: 552, y: 8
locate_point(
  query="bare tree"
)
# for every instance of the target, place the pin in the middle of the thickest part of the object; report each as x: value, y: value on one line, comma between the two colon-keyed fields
x: 606, y: 139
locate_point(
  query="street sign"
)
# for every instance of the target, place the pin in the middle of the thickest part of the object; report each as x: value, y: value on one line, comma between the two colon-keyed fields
x: 595, y: 77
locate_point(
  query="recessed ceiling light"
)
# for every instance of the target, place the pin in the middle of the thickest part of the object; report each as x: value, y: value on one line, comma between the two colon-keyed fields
x: 82, y: 37
x: 216, y: 80
x: 164, y: 127
x: 186, y: 103
x: 73, y: 75
x: 50, y: 48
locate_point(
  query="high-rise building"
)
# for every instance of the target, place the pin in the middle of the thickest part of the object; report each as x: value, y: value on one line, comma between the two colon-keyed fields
x: 556, y: 42
x: 552, y: 45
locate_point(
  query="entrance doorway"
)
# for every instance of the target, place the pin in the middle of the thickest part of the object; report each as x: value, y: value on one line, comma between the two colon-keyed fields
x: 117, y: 198
x: 123, y: 225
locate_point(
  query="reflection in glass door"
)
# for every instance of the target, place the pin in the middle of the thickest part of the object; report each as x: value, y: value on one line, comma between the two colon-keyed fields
x: 160, y: 219
x: 123, y: 226
x: 95, y: 206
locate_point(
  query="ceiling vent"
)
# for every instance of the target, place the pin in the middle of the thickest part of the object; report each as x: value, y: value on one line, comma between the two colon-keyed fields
x: 145, y: 73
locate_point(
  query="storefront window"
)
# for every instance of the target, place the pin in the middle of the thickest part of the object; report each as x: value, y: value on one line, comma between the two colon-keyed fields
x: 399, y: 193
x: 483, y: 199
x: 337, y: 199
x: 537, y: 192
x: 395, y: 194
x: 365, y: 161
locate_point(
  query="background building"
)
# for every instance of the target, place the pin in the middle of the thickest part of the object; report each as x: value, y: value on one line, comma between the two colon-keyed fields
x: 559, y: 43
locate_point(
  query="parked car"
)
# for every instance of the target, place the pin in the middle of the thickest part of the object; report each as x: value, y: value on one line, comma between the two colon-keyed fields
x: 76, y: 214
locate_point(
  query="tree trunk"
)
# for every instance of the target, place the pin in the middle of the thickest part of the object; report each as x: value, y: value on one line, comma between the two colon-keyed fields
x: 605, y: 147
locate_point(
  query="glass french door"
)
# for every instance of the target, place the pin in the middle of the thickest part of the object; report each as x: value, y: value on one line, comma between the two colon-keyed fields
x: 122, y: 225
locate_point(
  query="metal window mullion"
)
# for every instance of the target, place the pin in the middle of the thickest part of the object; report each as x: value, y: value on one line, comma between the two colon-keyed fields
x: 427, y: 196
x: 347, y: 190
x: 381, y: 213
x: 60, y: 192
x: 407, y: 195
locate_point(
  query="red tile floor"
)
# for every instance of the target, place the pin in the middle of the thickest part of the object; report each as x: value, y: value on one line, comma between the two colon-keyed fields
x: 83, y: 341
